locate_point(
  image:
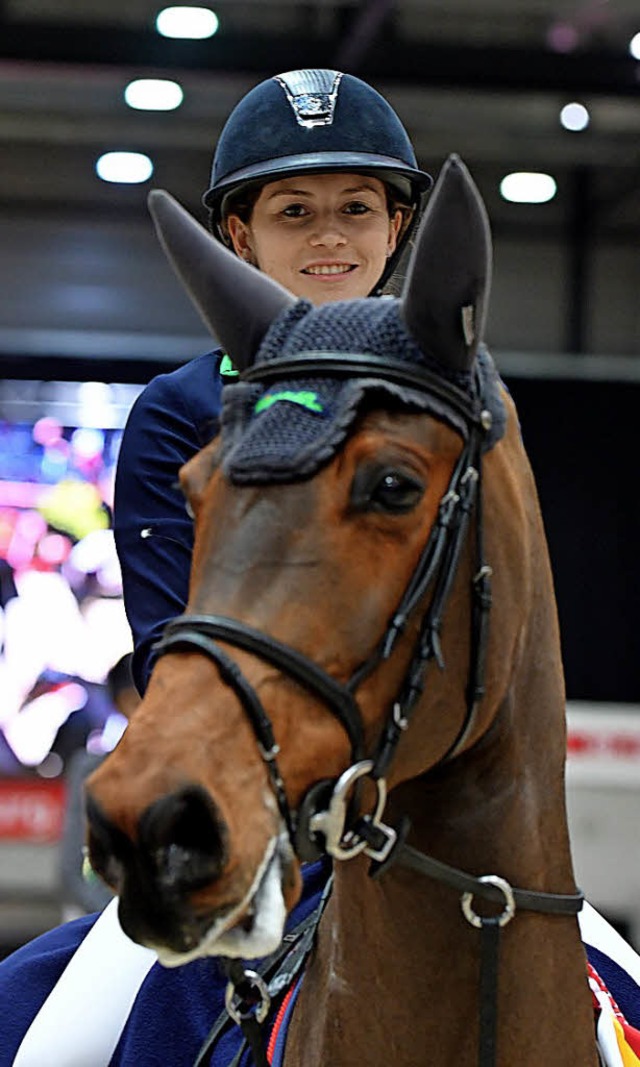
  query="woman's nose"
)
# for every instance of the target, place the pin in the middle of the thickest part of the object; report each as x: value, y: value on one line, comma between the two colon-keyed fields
x: 328, y: 231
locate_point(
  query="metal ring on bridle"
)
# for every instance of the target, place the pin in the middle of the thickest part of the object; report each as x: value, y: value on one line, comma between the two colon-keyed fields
x: 331, y: 823
x: 510, y: 904
x: 233, y: 1000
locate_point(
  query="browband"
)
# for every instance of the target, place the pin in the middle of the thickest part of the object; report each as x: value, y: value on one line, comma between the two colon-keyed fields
x: 365, y: 365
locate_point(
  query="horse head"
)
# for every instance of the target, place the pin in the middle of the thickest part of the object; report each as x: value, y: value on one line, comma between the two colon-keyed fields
x: 337, y: 623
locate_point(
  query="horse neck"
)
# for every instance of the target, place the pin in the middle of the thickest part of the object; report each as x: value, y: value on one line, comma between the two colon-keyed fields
x: 395, y: 975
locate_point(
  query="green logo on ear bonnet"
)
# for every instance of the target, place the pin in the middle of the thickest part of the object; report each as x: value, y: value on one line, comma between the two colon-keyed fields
x: 302, y: 397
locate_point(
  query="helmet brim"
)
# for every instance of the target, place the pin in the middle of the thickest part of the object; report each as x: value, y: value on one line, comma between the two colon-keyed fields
x: 409, y: 182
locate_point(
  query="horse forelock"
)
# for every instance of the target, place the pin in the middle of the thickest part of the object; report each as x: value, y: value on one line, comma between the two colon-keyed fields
x: 289, y: 429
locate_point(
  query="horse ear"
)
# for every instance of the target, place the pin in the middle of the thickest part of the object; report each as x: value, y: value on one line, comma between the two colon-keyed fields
x: 236, y: 301
x: 446, y: 292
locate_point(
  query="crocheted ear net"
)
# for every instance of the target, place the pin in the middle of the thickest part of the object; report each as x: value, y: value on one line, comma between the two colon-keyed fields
x: 287, y: 430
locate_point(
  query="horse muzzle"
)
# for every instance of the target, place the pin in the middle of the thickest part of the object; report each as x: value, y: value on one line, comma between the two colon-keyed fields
x: 177, y: 895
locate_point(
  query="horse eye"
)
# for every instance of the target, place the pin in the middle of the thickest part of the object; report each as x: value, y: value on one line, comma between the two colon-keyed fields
x: 390, y: 491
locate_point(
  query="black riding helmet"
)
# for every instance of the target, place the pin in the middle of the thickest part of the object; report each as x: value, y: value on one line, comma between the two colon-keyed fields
x: 314, y: 121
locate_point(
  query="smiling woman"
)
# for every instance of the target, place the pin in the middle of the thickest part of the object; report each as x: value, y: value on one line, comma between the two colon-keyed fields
x: 315, y: 181
x: 314, y: 178
x: 323, y: 236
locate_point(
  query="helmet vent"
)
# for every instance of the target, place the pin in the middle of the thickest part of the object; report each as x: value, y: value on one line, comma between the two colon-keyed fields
x: 312, y: 95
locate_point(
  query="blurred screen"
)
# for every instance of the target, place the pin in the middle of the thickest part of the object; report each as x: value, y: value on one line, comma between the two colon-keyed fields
x: 62, y: 621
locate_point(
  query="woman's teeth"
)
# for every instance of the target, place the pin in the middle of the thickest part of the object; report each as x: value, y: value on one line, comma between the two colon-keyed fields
x: 333, y: 268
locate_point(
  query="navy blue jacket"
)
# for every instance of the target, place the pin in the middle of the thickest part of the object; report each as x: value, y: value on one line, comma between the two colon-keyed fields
x: 170, y: 1010
x: 173, y: 418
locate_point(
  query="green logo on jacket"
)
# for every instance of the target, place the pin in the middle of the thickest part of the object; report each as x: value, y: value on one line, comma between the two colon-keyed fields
x: 227, y: 369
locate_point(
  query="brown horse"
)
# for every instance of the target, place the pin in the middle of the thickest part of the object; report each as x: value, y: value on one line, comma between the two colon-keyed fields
x: 335, y: 646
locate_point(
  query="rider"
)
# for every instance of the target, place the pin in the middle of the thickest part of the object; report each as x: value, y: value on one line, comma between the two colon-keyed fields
x: 316, y: 183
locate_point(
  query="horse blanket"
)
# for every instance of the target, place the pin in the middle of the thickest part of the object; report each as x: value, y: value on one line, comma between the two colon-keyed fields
x: 84, y: 995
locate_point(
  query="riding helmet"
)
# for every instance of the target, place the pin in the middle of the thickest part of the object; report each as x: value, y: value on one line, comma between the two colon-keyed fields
x: 312, y: 121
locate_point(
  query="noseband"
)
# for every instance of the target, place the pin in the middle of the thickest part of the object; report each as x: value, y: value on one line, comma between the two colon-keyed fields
x: 321, y: 825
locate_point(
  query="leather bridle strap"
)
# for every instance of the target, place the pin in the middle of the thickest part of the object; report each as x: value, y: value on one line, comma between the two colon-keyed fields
x: 438, y: 568
x: 179, y: 639
x: 189, y: 628
x: 527, y: 899
x: 494, y: 889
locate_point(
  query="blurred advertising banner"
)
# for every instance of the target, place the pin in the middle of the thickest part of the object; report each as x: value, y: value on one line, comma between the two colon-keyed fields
x: 31, y: 810
x: 603, y: 745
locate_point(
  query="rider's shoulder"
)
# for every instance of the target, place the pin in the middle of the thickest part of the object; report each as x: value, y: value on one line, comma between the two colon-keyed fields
x: 188, y: 395
x: 193, y: 380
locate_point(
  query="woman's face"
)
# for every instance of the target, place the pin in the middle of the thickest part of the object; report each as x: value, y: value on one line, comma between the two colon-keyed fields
x: 323, y: 236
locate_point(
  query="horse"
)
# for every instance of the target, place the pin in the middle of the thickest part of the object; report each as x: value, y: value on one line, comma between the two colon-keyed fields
x: 368, y: 667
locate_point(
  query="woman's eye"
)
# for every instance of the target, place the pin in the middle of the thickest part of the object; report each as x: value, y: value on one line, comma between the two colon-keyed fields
x: 294, y: 211
x: 391, y: 491
x: 357, y: 207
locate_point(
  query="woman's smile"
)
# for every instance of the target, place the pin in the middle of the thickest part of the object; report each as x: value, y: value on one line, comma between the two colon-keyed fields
x: 329, y: 270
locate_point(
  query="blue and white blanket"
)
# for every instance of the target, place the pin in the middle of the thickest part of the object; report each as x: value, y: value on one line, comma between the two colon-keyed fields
x: 84, y: 995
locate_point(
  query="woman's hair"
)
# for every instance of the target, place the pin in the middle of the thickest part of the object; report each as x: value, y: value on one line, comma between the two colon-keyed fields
x: 240, y: 202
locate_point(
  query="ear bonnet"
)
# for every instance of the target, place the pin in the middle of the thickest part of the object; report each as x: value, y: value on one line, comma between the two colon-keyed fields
x: 289, y: 429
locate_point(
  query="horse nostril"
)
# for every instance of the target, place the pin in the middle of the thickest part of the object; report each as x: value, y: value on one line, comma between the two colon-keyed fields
x: 107, y: 846
x: 185, y: 839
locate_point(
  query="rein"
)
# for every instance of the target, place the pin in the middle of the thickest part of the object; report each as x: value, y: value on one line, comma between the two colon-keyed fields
x: 322, y: 823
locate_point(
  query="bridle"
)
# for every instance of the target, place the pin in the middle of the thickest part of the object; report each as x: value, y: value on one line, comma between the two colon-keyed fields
x: 436, y: 567
x: 324, y: 822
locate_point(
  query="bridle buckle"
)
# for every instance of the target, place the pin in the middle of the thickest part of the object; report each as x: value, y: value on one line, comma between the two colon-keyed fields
x: 342, y: 843
x: 252, y: 1002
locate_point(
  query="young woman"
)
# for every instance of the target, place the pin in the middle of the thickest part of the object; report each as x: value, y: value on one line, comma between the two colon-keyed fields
x: 315, y: 182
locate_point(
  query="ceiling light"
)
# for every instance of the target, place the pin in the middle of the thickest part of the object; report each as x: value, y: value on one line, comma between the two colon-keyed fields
x: 634, y: 46
x: 153, y: 94
x: 193, y: 23
x: 528, y: 187
x: 130, y: 168
x: 574, y: 117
